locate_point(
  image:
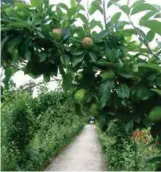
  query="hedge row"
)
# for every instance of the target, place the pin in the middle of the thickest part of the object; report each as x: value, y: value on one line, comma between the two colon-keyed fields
x: 123, y: 152
x: 36, y: 129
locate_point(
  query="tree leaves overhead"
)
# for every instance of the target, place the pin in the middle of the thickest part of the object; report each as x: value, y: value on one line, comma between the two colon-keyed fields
x: 129, y: 127
x: 111, y: 2
x: 72, y: 11
x: 141, y: 6
x: 151, y: 66
x: 154, y: 25
x: 158, y: 91
x: 73, y: 3
x: 125, y: 8
x: 82, y: 17
x: 77, y: 60
x: 123, y: 91
x: 147, y: 16
x: 115, y: 17
x: 95, y: 5
x: 67, y: 81
x: 150, y: 35
x: 35, y: 3
x: 105, y: 91
x: 64, y: 6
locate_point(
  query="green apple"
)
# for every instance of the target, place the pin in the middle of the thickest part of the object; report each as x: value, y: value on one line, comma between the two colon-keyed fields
x: 108, y: 75
x: 79, y: 96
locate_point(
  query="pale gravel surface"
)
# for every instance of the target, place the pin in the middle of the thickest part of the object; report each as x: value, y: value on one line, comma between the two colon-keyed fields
x: 83, y: 154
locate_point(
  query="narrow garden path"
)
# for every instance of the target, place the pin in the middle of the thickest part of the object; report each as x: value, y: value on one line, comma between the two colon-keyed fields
x: 83, y: 154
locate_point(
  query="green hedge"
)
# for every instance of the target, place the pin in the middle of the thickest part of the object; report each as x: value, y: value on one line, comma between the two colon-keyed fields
x: 122, y: 153
x: 34, y: 130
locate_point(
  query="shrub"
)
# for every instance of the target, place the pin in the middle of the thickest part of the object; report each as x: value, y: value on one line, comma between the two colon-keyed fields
x: 123, y: 153
x: 34, y: 130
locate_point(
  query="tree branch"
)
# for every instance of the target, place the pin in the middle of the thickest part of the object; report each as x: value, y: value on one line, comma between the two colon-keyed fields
x: 141, y: 38
x: 87, y: 11
x: 104, y: 13
x: 128, y: 2
x: 137, y: 33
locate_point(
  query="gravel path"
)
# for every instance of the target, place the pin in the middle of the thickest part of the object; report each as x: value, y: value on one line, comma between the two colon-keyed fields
x: 83, y: 154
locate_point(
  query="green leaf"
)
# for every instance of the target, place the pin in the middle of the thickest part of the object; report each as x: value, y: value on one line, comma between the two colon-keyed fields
x: 73, y: 3
x: 61, y: 69
x: 128, y: 32
x: 92, y: 10
x: 46, y: 78
x: 100, y: 9
x: 95, y: 23
x: 59, y: 11
x: 78, y: 109
x: 28, y: 55
x: 65, y: 23
x: 82, y: 17
x: 125, y: 8
x: 143, y: 7
x: 152, y: 66
x: 46, y: 3
x: 111, y: 2
x: 80, y: 7
x: 93, y: 56
x: 147, y: 16
x: 129, y: 127
x: 78, y: 30
x: 65, y: 59
x: 95, y: 5
x: 103, y: 34
x: 143, y: 93
x: 119, y: 25
x: 72, y: 11
x: 133, y: 46
x: 105, y: 92
x: 64, y: 6
x: 123, y: 91
x: 150, y: 36
x: 3, y: 42
x: 42, y: 57
x: 13, y: 43
x: 78, y: 53
x: 67, y: 81
x: 115, y: 17
x: 137, y: 3
x: 158, y: 15
x: 8, y: 72
x: 77, y: 60
x: 35, y: 3
x: 112, y: 54
x: 154, y: 25
x: 155, y: 159
x: 158, y: 91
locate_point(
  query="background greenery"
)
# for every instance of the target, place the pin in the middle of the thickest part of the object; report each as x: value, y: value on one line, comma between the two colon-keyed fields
x: 36, y: 129
x: 127, y: 152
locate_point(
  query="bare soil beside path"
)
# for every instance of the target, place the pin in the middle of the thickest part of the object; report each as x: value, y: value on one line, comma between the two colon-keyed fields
x: 82, y: 154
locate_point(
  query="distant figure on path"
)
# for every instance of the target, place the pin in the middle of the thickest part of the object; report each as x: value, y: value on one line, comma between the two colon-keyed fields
x: 91, y: 120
